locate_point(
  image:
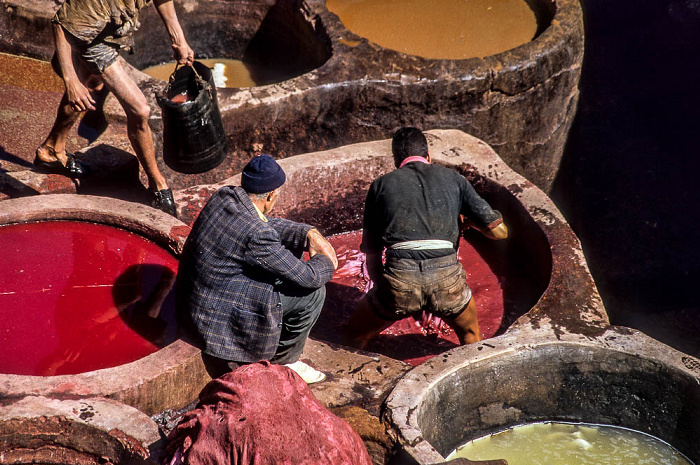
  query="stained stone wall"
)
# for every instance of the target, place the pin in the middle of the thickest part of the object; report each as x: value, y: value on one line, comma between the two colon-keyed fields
x: 338, y: 88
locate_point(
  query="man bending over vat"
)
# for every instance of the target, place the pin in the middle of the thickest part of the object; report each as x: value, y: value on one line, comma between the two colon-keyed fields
x: 242, y: 287
x: 88, y: 35
x: 414, y: 213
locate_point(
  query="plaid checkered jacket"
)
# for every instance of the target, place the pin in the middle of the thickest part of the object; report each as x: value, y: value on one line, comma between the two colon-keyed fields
x: 230, y: 266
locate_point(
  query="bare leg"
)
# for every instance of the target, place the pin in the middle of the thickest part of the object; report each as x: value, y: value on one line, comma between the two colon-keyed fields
x: 466, y: 324
x: 54, y: 146
x: 364, y: 325
x: 137, y: 112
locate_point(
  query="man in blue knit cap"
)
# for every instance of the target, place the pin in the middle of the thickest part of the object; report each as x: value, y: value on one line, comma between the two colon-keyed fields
x: 242, y: 288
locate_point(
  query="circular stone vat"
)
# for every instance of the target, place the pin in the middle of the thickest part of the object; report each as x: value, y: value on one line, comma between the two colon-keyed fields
x: 94, y: 322
x: 540, y: 267
x: 274, y: 40
x: 521, y: 101
x: 619, y: 377
x: 104, y: 301
x: 76, y: 432
x: 449, y: 29
x: 339, y: 88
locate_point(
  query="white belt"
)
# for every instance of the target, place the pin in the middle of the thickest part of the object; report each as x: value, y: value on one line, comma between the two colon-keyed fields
x: 425, y: 244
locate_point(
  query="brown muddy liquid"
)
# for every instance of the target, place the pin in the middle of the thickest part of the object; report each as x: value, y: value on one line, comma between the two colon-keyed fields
x: 447, y: 29
x: 234, y: 72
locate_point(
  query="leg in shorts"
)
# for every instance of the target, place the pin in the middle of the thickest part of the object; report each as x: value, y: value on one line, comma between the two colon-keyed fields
x: 96, y: 55
x: 436, y: 285
x: 408, y: 287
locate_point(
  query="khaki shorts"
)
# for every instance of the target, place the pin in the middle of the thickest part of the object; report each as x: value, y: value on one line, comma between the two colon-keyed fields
x: 408, y: 287
x: 97, y: 55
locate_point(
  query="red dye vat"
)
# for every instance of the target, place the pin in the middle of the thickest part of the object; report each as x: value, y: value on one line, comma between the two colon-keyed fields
x: 412, y: 340
x: 77, y: 297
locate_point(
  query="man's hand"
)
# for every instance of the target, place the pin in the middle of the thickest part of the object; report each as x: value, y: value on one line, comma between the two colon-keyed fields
x: 183, y: 53
x: 319, y: 244
x: 497, y: 233
x: 79, y: 97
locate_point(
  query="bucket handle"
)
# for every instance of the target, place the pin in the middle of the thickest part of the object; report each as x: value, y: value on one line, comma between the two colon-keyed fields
x: 171, y: 79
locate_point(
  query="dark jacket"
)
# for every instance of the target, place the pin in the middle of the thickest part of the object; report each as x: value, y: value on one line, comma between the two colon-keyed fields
x: 230, y: 269
x: 421, y: 201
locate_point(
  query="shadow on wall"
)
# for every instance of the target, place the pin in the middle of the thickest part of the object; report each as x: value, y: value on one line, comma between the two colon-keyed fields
x: 628, y: 181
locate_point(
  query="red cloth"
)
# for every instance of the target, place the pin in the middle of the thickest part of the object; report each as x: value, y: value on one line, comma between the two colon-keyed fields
x: 263, y: 414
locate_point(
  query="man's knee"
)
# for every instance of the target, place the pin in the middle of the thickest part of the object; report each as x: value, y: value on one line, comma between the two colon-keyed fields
x: 138, y: 112
x: 320, y: 296
x: 315, y: 303
x: 305, y: 308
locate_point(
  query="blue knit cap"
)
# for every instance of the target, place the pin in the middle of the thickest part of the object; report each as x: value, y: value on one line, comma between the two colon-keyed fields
x: 262, y: 174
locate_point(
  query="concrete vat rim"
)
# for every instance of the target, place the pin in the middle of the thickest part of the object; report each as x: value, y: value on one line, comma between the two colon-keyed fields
x: 565, y: 11
x: 570, y: 299
x: 127, y: 382
x: 403, y: 405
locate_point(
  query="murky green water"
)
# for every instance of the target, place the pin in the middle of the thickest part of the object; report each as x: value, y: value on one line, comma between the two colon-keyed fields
x: 571, y: 444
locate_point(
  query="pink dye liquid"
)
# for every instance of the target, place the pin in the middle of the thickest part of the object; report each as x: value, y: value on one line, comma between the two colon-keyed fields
x: 410, y: 340
x: 76, y: 297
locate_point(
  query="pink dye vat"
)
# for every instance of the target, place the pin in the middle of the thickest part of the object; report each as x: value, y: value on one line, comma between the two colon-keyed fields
x: 410, y: 340
x: 76, y: 297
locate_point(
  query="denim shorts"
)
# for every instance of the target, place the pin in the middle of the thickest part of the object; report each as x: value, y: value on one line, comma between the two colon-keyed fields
x: 407, y: 287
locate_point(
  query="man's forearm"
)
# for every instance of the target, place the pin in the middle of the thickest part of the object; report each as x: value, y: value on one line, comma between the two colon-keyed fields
x: 166, y: 10
x: 293, y: 235
x: 64, y: 54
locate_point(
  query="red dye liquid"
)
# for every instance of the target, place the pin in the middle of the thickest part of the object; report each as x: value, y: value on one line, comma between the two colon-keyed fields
x: 76, y: 297
x: 410, y: 340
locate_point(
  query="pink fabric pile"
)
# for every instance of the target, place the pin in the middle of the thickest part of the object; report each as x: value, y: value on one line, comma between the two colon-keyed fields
x: 263, y: 414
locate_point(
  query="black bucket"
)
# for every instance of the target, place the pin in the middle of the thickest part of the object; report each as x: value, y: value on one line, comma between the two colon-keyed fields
x: 194, y: 140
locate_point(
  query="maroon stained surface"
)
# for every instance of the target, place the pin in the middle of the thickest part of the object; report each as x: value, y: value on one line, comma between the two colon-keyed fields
x: 78, y: 296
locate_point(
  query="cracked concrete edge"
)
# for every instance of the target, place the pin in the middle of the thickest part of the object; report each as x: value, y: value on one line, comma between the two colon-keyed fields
x: 146, y: 221
x: 133, y: 430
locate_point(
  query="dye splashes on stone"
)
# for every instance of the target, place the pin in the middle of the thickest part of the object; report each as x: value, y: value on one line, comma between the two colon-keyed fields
x: 413, y: 340
x: 76, y: 297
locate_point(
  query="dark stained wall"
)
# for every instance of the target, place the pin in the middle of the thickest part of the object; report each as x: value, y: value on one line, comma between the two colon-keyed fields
x: 629, y: 177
